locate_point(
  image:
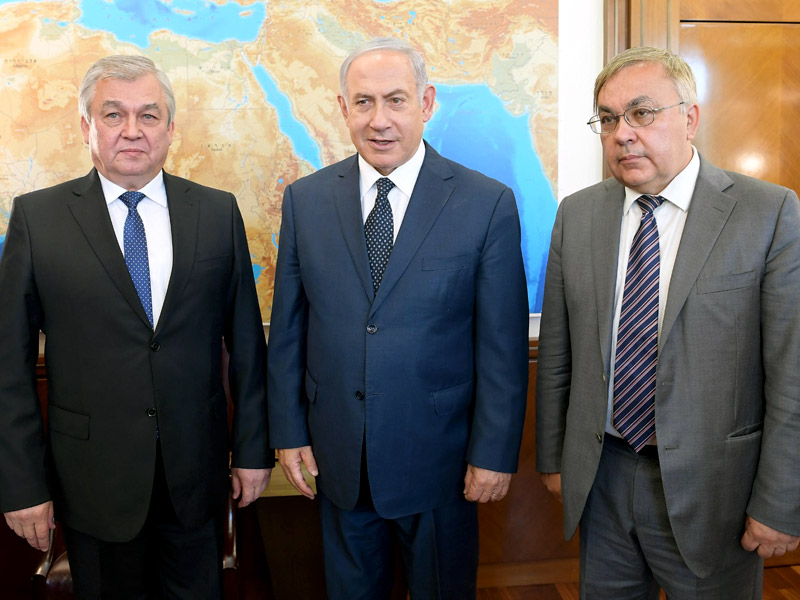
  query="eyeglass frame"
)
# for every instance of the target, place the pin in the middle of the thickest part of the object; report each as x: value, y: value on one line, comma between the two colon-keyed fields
x: 624, y: 114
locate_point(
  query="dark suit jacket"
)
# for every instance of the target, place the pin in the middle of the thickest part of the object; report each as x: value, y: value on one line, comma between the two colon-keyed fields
x: 62, y: 271
x: 433, y: 368
x: 728, y: 382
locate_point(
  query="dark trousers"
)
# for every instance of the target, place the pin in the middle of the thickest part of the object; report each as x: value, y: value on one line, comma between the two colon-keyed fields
x: 439, y: 549
x: 628, y: 550
x: 165, y: 560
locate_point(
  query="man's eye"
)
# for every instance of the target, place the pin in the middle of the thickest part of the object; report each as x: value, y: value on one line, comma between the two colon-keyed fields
x: 148, y: 117
x: 607, y: 119
x: 112, y: 116
x: 641, y: 113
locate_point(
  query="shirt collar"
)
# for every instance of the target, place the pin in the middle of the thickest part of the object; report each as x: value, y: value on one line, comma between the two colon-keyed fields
x: 679, y: 191
x: 154, y: 190
x: 403, y: 177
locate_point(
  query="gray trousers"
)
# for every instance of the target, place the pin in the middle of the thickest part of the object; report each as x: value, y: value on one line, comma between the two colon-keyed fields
x: 628, y: 551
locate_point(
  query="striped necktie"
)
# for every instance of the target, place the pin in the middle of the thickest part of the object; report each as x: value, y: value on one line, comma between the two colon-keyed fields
x: 135, y: 248
x: 637, y: 334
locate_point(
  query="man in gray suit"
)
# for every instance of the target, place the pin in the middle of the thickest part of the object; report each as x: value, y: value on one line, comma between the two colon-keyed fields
x: 668, y: 392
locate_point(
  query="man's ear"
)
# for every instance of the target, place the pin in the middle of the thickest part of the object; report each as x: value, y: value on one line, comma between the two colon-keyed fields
x: 343, y: 107
x: 428, y: 102
x: 692, y: 121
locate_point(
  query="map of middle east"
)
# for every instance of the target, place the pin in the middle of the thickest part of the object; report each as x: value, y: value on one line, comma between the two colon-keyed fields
x: 256, y: 85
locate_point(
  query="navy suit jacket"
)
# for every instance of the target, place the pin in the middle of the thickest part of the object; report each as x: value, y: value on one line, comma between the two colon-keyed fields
x: 431, y: 371
x: 112, y: 379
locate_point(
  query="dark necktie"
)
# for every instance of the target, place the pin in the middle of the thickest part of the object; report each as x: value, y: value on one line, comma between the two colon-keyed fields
x: 637, y: 334
x: 379, y: 230
x: 135, y: 248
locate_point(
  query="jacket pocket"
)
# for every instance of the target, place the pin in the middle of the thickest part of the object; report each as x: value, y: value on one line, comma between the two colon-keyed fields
x: 754, y: 429
x: 432, y: 263
x: 212, y: 263
x: 67, y: 422
x: 450, y: 400
x: 725, y: 283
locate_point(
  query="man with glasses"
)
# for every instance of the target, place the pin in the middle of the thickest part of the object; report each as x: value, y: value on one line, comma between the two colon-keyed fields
x: 668, y: 392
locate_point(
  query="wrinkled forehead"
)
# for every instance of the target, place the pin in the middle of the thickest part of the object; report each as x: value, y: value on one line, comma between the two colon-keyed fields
x: 638, y: 84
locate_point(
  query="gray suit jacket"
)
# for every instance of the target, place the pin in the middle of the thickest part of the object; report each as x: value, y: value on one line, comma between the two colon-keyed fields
x: 728, y: 382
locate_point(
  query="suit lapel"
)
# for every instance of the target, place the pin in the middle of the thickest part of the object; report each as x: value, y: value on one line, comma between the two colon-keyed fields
x: 88, y: 207
x: 184, y: 214
x: 347, y: 198
x: 431, y: 192
x: 708, y: 212
x: 606, y: 219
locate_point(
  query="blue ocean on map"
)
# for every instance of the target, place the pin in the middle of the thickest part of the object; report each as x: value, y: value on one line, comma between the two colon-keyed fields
x: 134, y: 20
x: 472, y: 126
x: 304, y: 145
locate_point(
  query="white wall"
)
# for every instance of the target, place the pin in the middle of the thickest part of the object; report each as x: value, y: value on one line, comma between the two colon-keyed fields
x: 580, y: 58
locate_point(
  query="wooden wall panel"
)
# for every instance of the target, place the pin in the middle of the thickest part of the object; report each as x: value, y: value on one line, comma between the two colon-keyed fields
x: 527, y: 525
x: 749, y: 85
x: 654, y: 23
x: 740, y: 10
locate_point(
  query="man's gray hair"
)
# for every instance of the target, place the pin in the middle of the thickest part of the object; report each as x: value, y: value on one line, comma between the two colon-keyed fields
x: 389, y: 44
x: 127, y: 68
x: 677, y: 69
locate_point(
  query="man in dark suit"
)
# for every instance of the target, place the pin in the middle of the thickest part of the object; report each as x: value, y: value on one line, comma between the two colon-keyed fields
x: 398, y: 340
x: 668, y: 395
x: 135, y: 277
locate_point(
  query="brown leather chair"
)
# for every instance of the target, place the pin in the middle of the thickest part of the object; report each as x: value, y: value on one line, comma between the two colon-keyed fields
x: 52, y: 579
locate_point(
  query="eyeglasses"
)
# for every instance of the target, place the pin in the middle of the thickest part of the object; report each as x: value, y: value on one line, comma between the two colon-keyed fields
x: 635, y: 116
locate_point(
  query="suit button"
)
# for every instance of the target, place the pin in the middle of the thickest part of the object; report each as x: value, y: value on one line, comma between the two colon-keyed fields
x: 155, y: 346
x: 599, y: 438
x: 359, y: 395
x: 372, y: 328
x: 604, y: 377
x: 151, y: 412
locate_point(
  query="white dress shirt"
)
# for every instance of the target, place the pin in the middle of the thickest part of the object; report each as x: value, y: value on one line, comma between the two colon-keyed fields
x: 404, y: 179
x: 670, y: 219
x: 155, y: 216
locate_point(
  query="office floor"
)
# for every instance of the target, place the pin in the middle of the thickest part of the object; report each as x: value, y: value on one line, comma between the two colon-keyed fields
x: 780, y: 583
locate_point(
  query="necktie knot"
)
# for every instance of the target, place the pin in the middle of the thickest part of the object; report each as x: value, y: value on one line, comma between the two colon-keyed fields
x: 131, y: 199
x: 384, y: 187
x: 649, y: 203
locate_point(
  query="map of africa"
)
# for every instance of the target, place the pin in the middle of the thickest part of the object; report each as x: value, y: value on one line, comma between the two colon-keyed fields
x: 256, y: 85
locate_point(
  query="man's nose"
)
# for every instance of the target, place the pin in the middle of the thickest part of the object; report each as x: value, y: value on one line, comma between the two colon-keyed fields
x: 379, y: 119
x: 624, y: 132
x: 130, y: 127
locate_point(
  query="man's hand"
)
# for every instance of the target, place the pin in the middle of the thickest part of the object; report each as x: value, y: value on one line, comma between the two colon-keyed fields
x: 291, y: 459
x: 552, y: 481
x: 482, y: 485
x: 33, y: 524
x: 766, y: 540
x: 249, y: 483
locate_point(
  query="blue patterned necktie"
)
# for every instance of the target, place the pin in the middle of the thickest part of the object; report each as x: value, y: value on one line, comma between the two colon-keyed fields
x: 637, y: 334
x: 379, y: 230
x: 135, y: 248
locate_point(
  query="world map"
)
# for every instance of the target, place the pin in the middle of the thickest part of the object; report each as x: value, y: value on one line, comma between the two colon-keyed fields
x: 256, y: 85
